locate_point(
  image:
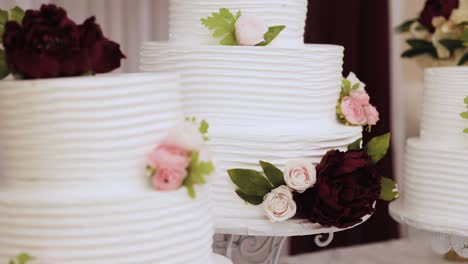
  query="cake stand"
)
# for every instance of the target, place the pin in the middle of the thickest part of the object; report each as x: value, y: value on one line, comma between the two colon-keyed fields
x: 261, y: 242
x: 450, y: 235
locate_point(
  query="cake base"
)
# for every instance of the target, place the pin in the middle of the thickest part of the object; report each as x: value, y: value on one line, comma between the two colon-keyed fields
x: 264, y: 227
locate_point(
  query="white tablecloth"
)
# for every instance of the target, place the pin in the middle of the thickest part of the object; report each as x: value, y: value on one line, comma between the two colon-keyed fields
x: 393, y: 252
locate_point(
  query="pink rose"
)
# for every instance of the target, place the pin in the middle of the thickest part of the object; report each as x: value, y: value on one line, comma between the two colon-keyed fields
x: 361, y: 96
x: 250, y: 30
x: 170, y: 164
x: 353, y: 111
x: 372, y: 115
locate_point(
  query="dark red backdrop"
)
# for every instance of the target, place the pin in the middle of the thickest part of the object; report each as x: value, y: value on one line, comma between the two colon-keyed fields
x: 362, y: 27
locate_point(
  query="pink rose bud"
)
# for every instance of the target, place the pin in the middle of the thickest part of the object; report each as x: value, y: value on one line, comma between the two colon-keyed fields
x: 169, y: 178
x: 361, y: 96
x: 372, y: 115
x: 353, y: 111
x: 250, y: 30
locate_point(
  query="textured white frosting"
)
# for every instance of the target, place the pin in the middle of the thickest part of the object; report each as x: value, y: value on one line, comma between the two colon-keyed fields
x: 73, y: 173
x: 185, y: 15
x: 146, y: 227
x: 236, y: 83
x: 445, y: 90
x: 243, y: 145
x: 435, y: 184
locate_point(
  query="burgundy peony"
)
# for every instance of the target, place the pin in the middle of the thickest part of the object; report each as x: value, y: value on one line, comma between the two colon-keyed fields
x: 48, y: 44
x: 347, y: 187
x: 436, y: 8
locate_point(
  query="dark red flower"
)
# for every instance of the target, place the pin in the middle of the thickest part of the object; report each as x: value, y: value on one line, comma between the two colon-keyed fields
x: 436, y: 8
x: 48, y: 44
x: 347, y: 187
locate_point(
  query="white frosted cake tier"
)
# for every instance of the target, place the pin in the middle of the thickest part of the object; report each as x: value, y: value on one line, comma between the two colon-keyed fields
x: 445, y: 90
x: 243, y: 145
x: 84, y: 133
x: 185, y: 15
x: 140, y: 228
x: 236, y: 83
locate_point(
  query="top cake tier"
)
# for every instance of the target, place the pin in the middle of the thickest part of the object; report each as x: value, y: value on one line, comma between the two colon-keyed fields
x: 185, y: 18
x: 444, y: 96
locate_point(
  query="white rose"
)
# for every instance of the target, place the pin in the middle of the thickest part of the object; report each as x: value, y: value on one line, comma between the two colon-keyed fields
x: 185, y: 136
x: 460, y: 15
x: 418, y: 31
x: 279, y: 204
x: 250, y: 30
x: 354, y: 79
x: 300, y: 175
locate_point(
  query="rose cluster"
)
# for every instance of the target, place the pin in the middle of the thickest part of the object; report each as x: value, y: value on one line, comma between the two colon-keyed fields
x: 47, y: 43
x: 354, y: 106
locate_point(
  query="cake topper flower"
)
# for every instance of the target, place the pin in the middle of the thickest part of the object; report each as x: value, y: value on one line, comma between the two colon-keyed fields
x: 354, y: 106
x: 240, y: 30
x: 338, y: 192
x: 24, y: 258
x: 46, y: 43
x: 465, y: 114
x: 439, y: 36
x: 181, y: 158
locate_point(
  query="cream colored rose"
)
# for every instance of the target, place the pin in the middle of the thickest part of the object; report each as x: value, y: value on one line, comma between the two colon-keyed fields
x: 250, y: 30
x: 300, y: 175
x: 460, y: 15
x: 185, y: 136
x: 279, y: 204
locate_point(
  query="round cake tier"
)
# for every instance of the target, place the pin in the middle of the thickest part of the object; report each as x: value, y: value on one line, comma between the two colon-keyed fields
x: 444, y: 96
x: 243, y: 145
x: 185, y: 25
x: 435, y: 184
x: 237, y: 83
x: 81, y: 132
x: 143, y: 228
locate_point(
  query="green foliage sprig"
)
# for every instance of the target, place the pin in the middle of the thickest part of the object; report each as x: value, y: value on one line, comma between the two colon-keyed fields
x: 14, y: 14
x: 465, y: 114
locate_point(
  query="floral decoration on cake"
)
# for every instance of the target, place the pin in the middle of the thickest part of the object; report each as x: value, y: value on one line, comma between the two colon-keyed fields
x: 339, y: 191
x: 46, y: 43
x: 240, y: 30
x: 354, y: 107
x: 465, y: 114
x: 181, y: 159
x: 439, y: 36
x: 24, y: 258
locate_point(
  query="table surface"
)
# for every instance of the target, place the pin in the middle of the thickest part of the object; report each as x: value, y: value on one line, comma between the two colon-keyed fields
x: 396, y: 251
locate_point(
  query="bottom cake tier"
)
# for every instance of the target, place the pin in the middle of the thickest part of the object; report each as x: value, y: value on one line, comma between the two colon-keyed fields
x: 150, y: 227
x: 435, y: 184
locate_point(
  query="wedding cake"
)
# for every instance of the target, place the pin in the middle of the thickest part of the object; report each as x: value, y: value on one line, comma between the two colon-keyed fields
x: 267, y: 95
x: 92, y: 167
x: 435, y: 176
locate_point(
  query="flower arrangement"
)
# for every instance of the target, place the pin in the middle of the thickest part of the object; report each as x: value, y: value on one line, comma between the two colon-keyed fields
x: 338, y: 192
x: 46, y: 43
x: 180, y: 159
x: 240, y: 30
x: 354, y: 106
x: 465, y: 114
x: 439, y: 36
x: 24, y: 258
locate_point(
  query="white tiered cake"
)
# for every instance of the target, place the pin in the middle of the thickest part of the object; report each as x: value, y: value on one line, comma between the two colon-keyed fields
x: 273, y: 103
x: 73, y: 166
x: 436, y: 173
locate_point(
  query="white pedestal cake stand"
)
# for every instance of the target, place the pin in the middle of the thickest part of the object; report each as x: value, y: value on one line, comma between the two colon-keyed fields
x: 261, y: 242
x: 449, y: 233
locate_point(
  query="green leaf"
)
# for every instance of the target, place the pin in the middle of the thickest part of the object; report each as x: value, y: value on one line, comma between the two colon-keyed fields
x: 191, y: 191
x: 405, y: 26
x: 356, y: 145
x: 377, y: 148
x: 23, y: 258
x: 204, y: 126
x: 251, y: 199
x: 274, y: 175
x: 345, y: 88
x: 223, y: 25
x: 465, y: 130
x: 271, y: 34
x: 250, y: 182
x: 411, y: 53
x: 389, y: 190
x: 355, y: 86
x: 4, y: 71
x: 466, y: 100
x: 17, y: 14
x: 197, y: 172
x: 464, y: 115
x: 3, y: 16
x: 451, y: 44
x: 419, y: 43
x: 463, y: 60
x: 464, y: 37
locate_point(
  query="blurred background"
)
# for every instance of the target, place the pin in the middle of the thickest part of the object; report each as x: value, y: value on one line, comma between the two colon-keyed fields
x: 363, y: 27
